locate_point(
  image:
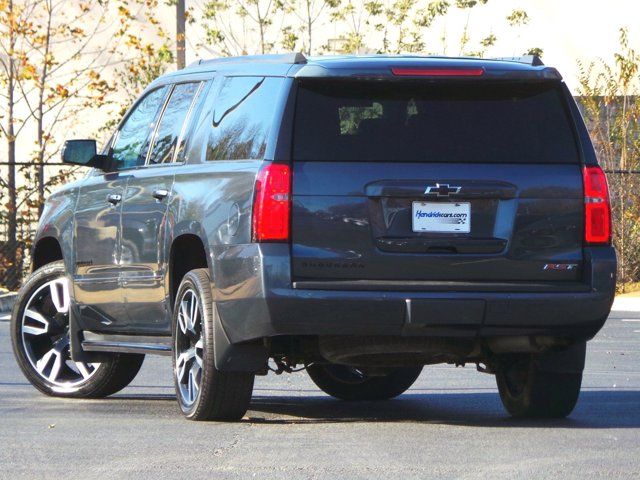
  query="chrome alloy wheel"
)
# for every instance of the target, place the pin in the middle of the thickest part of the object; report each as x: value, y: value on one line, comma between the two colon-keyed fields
x: 45, y: 337
x: 189, y: 348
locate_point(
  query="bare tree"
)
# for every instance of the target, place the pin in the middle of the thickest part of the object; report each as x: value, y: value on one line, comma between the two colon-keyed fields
x: 307, y: 13
x: 356, y: 17
x: 53, y: 85
x: 261, y: 13
x: 233, y: 27
x: 610, y: 100
x: 13, y: 20
x: 56, y: 62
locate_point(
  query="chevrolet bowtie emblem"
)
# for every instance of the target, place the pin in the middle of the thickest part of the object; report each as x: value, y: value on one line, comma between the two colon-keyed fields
x: 442, y: 190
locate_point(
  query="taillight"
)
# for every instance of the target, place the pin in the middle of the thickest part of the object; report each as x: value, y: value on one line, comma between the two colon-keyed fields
x: 597, y: 209
x: 272, y: 204
x: 437, y: 72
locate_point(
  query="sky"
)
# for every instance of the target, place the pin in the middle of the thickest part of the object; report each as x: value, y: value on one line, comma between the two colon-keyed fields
x: 568, y: 31
x: 573, y: 30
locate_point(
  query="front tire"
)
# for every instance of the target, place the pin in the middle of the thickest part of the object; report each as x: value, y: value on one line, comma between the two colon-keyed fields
x: 41, y: 342
x: 203, y: 392
x: 352, y: 384
x: 528, y: 390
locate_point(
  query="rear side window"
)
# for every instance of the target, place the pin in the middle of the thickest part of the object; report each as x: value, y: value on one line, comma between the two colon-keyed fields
x: 243, y: 114
x: 172, y: 123
x: 430, y: 122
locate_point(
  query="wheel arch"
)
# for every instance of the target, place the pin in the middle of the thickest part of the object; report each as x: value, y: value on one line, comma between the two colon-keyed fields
x: 45, y: 250
x: 187, y: 252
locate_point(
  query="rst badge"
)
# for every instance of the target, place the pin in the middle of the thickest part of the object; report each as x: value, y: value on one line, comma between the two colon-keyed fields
x: 560, y: 266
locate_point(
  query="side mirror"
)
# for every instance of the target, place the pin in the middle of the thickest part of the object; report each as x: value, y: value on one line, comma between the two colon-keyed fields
x: 83, y: 152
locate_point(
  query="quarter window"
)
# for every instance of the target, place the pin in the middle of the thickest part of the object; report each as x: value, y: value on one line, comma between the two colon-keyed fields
x: 242, y: 118
x: 132, y: 142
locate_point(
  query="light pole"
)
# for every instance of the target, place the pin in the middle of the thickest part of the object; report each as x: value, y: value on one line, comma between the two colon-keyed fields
x: 180, y: 34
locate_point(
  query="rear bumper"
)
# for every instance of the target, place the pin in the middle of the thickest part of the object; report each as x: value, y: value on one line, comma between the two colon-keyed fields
x: 267, y: 304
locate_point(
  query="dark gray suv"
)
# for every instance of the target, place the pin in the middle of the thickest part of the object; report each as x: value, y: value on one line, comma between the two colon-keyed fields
x: 358, y: 216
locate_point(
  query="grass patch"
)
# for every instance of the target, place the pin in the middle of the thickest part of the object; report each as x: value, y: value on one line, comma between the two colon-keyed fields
x: 629, y: 287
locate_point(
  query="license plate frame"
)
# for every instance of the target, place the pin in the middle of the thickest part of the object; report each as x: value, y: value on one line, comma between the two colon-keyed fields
x: 441, y: 217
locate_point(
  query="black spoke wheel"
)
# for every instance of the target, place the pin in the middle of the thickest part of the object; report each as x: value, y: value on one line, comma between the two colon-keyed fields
x: 41, y: 342
x: 203, y: 392
x: 351, y: 383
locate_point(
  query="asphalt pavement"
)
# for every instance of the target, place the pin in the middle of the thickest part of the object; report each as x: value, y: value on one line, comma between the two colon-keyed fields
x: 449, y: 425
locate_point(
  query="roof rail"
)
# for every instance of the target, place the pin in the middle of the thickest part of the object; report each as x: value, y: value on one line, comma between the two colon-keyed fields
x: 286, y: 58
x: 533, y: 60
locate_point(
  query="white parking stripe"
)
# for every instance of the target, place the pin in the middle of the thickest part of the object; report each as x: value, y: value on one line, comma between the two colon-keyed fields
x: 631, y: 319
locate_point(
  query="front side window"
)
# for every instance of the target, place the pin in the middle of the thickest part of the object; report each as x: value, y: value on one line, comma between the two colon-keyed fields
x: 173, y: 120
x: 132, y: 141
x: 242, y: 117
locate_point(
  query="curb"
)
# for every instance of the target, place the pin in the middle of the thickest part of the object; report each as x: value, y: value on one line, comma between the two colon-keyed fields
x: 6, y: 303
x: 626, y: 304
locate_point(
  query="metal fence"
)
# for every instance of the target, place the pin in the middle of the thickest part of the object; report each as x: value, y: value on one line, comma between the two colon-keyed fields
x: 18, y: 226
x: 17, y: 232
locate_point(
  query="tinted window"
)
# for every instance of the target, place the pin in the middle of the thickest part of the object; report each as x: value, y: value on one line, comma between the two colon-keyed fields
x: 132, y: 142
x: 172, y: 122
x: 456, y: 122
x: 242, y: 117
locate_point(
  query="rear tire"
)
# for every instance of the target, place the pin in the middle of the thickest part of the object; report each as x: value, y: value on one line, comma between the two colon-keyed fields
x: 528, y: 391
x: 40, y: 339
x: 203, y: 392
x: 349, y: 383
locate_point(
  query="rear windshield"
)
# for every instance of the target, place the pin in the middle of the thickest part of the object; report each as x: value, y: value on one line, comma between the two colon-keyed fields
x: 430, y: 122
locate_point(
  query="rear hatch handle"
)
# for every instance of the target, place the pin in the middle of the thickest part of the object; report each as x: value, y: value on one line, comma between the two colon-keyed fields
x: 439, y: 245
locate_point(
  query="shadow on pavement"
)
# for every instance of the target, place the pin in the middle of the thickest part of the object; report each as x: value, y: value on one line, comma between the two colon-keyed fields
x: 595, y: 409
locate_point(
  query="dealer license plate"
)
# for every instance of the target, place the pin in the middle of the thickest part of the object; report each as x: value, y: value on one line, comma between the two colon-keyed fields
x: 441, y: 217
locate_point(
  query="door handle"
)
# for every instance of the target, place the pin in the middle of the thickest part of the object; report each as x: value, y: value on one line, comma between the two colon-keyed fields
x: 114, y: 198
x: 160, y: 194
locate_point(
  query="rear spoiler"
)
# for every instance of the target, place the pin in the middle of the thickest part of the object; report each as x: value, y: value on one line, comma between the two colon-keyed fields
x: 492, y: 70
